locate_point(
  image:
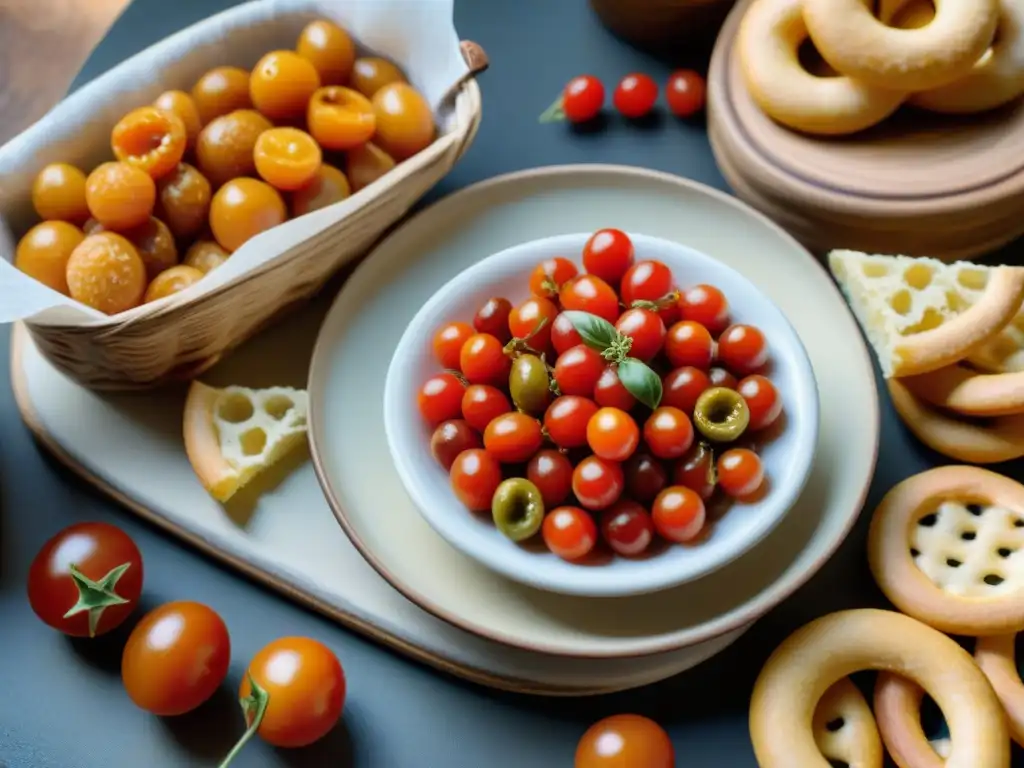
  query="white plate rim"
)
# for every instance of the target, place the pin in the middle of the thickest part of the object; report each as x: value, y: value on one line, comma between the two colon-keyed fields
x: 756, y: 608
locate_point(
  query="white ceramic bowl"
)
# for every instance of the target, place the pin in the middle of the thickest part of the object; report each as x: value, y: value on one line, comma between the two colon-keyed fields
x: 787, y: 458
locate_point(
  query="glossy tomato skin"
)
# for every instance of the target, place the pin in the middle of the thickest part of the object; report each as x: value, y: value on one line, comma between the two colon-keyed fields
x: 95, y: 549
x: 587, y: 293
x: 532, y: 321
x: 645, y: 328
x: 578, y: 370
x: 474, y: 476
x: 551, y: 472
x: 689, y: 344
x: 569, y: 532
x: 548, y: 276
x: 566, y: 420
x: 608, y: 254
x: 176, y: 658
x: 742, y: 349
x: 646, y: 281
x: 610, y: 392
x: 627, y: 528
x: 492, y: 318
x: 645, y: 477
x: 564, y: 335
x: 682, y: 386
x: 740, y: 472
x: 625, y: 741
x: 635, y: 95
x: 762, y: 399
x: 685, y: 93
x: 706, y: 305
x: 582, y: 98
x: 598, y: 483
x: 482, y: 404
x: 306, y: 685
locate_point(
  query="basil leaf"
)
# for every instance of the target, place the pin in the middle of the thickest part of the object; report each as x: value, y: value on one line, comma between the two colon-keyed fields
x: 596, y: 332
x: 641, y: 382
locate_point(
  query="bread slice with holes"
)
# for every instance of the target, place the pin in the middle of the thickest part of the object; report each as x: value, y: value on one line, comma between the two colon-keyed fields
x: 920, y: 314
x: 235, y: 433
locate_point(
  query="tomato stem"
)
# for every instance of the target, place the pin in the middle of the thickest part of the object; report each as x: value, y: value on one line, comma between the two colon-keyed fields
x: 554, y: 113
x: 96, y: 596
x: 254, y: 707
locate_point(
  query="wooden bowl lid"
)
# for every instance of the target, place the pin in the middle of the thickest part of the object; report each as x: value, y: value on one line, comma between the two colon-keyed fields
x: 916, y: 164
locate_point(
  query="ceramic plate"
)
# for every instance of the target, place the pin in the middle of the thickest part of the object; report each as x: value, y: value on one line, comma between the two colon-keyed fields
x: 370, y: 314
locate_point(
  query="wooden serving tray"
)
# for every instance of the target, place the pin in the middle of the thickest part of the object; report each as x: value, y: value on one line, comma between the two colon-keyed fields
x: 919, y: 183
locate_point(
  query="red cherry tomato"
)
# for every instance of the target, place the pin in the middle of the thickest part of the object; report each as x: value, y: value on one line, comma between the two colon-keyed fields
x: 306, y: 688
x: 610, y: 392
x: 448, y: 343
x: 625, y: 741
x: 682, y: 387
x: 577, y: 371
x: 532, y: 321
x: 587, y: 293
x: 513, y: 437
x: 645, y: 477
x: 612, y: 434
x: 440, y: 398
x: 548, y: 276
x: 597, y: 482
x: 706, y: 305
x: 608, y: 254
x: 564, y: 335
x: 92, y: 571
x: 451, y: 438
x: 627, y: 528
x: 696, y: 471
x: 566, y: 420
x: 763, y: 401
x: 569, y: 532
x: 685, y: 93
x: 175, y: 658
x: 475, y: 476
x: 482, y: 403
x: 582, y: 98
x: 689, y: 343
x: 646, y: 281
x: 668, y: 432
x: 678, y: 514
x: 742, y: 349
x: 720, y: 377
x: 492, y: 318
x: 635, y: 95
x: 646, y: 330
x: 740, y: 472
x: 483, y: 360
x: 551, y: 472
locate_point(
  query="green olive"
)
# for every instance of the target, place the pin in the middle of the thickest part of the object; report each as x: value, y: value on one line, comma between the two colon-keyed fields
x: 517, y: 508
x: 529, y: 384
x: 721, y: 414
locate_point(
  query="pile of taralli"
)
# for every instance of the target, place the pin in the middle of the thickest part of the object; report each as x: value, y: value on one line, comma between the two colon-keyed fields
x: 953, y: 58
x: 194, y: 176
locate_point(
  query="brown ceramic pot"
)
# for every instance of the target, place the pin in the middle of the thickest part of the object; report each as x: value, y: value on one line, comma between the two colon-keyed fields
x: 662, y: 25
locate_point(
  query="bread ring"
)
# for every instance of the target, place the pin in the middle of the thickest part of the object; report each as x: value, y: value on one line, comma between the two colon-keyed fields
x: 845, y: 729
x: 997, y: 658
x: 898, y: 709
x: 997, y: 78
x: 946, y: 546
x: 968, y: 392
x: 999, y: 439
x: 857, y: 44
x: 768, y: 44
x: 814, y: 657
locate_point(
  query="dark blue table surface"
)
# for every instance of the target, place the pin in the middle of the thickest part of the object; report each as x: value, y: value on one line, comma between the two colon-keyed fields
x: 61, y: 702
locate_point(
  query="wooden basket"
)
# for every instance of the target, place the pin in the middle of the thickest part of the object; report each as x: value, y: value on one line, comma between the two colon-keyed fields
x: 184, y: 339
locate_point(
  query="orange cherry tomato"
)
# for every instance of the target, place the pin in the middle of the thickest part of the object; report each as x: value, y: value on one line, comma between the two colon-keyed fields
x: 678, y: 514
x: 740, y: 472
x: 181, y: 104
x: 282, y: 83
x: 598, y: 483
x: 221, y: 91
x: 328, y: 187
x: 625, y: 741
x: 340, y: 118
x: 513, y: 437
x: 763, y: 401
x: 58, y: 194
x: 205, y: 255
x: 549, y: 276
x: 120, y: 196
x: 405, y: 123
x: 151, y: 139
x: 668, y: 432
x: 305, y: 687
x: 105, y: 272
x: 154, y: 243
x: 171, y: 281
x: 742, y: 349
x: 175, y: 658
x: 287, y: 158
x: 44, y: 251
x: 329, y: 48
x: 365, y: 164
x: 183, y: 201
x: 612, y: 434
x: 482, y: 360
x: 242, y: 209
x: 569, y: 532
x: 448, y: 341
x: 475, y: 476
x: 370, y: 74
x: 440, y: 398
x: 226, y: 145
x: 532, y: 321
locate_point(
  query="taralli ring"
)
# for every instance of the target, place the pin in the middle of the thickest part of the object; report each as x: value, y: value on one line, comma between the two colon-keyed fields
x: 898, y: 709
x: 944, y: 546
x: 997, y: 78
x: 860, y: 46
x: 819, y: 654
x: 769, y: 40
x: 970, y: 393
x: 997, y: 659
x: 1000, y: 439
x: 845, y: 729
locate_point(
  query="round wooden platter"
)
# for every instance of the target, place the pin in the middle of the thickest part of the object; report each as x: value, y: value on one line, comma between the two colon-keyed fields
x: 919, y: 183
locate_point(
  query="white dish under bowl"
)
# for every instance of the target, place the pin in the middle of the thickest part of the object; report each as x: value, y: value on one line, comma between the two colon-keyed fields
x: 787, y: 458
